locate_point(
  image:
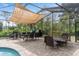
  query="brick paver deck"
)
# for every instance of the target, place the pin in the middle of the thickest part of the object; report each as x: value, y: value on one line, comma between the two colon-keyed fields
x: 38, y: 48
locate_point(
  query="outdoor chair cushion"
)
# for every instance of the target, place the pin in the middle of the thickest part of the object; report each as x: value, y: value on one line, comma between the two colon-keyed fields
x: 49, y: 41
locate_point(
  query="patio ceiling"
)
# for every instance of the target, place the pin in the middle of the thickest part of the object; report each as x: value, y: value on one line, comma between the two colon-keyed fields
x: 38, y: 8
x: 55, y: 9
x: 69, y: 7
x: 34, y: 7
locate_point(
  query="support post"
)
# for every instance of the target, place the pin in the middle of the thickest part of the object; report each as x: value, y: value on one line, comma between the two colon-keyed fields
x: 42, y: 24
x: 75, y: 31
x: 76, y: 28
x: 52, y: 24
x: 69, y: 29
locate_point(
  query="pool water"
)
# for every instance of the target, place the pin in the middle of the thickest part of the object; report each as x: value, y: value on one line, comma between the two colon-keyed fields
x: 4, y: 51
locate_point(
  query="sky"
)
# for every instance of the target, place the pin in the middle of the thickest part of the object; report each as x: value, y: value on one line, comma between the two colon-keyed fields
x: 9, y: 7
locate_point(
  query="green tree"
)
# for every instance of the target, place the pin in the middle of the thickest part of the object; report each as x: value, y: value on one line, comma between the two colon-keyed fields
x: 1, y: 26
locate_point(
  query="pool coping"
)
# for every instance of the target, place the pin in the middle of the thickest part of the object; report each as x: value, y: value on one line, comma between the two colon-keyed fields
x: 22, y: 51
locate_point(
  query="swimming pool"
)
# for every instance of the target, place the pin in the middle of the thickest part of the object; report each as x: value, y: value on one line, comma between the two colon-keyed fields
x: 5, y: 51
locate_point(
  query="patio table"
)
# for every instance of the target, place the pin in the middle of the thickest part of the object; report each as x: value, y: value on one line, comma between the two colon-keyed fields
x: 60, y: 41
x: 25, y: 36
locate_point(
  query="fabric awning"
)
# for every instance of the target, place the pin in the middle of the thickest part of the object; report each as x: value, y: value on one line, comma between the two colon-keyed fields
x: 25, y: 16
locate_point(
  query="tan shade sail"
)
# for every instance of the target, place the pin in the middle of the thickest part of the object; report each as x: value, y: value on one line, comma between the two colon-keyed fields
x: 24, y: 16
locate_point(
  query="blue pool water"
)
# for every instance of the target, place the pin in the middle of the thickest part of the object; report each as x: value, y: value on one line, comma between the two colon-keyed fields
x: 4, y: 51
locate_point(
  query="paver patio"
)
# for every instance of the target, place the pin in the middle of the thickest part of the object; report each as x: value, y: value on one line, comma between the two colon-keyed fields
x: 38, y: 48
